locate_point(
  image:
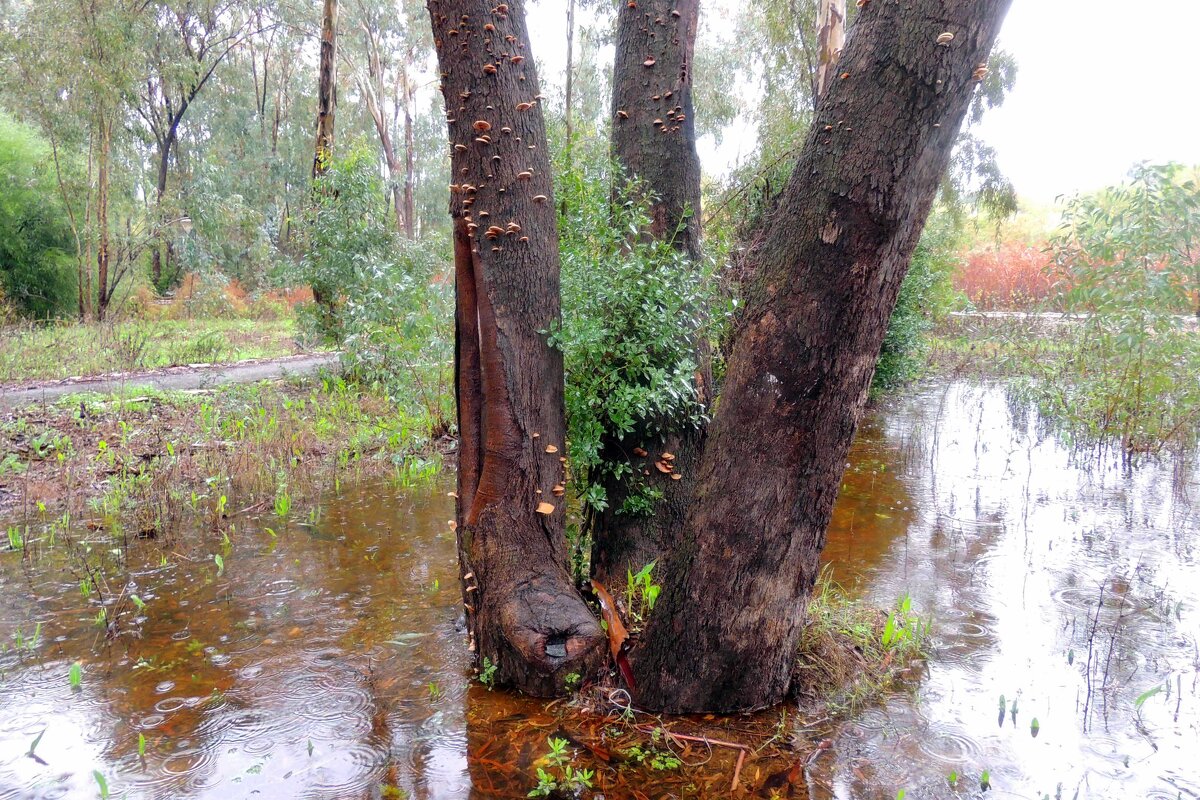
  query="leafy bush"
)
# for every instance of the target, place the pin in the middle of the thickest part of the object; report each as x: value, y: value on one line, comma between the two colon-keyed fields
x: 1010, y: 275
x: 926, y: 296
x: 36, y: 268
x: 387, y: 301
x: 1128, y: 256
x: 634, y: 310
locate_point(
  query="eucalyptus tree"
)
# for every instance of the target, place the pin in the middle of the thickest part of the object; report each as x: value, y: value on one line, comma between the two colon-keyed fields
x: 186, y: 44
x: 523, y: 612
x: 389, y: 46
x: 74, y: 69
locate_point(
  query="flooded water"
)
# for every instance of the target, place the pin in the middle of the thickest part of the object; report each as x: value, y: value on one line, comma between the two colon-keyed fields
x: 322, y: 659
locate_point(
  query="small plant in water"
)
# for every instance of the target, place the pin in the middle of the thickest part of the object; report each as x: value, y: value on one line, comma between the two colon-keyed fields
x: 560, y: 775
x: 435, y: 692
x: 641, y: 592
x: 904, y: 630
x: 75, y: 675
x: 487, y: 673
x: 572, y: 681
x: 101, y: 783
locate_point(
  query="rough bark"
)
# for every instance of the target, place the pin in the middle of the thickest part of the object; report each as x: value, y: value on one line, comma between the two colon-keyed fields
x: 827, y: 271
x: 654, y: 135
x: 569, y: 99
x: 326, y: 88
x: 831, y: 38
x: 523, y: 612
x: 654, y: 140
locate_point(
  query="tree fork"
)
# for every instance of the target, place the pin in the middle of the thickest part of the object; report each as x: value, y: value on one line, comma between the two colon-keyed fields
x: 523, y: 611
x: 827, y: 271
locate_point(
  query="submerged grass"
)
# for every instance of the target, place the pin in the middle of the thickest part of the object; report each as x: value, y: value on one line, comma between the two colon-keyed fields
x: 51, y: 352
x: 140, y: 463
x: 852, y: 654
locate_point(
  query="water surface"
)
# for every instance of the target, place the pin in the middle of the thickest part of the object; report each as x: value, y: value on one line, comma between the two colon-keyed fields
x: 325, y: 660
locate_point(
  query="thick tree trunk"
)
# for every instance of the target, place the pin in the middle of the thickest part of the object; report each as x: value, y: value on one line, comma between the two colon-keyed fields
x: 654, y: 140
x: 523, y: 613
x: 828, y: 269
x: 326, y: 88
x: 831, y: 38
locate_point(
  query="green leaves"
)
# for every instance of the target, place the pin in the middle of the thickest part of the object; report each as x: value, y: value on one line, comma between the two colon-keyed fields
x: 635, y: 311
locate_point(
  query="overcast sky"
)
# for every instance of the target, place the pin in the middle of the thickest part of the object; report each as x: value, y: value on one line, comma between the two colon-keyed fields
x: 1101, y: 85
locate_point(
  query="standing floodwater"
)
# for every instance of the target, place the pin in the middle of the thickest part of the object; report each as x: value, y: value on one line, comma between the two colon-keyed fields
x: 322, y: 658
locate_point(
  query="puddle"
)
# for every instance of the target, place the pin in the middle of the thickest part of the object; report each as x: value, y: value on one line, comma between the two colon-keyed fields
x: 326, y: 661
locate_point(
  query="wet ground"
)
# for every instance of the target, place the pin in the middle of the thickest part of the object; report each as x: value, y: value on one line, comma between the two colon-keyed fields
x: 321, y: 658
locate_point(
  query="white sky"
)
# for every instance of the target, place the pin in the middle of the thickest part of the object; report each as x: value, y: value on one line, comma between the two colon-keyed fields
x: 1101, y: 85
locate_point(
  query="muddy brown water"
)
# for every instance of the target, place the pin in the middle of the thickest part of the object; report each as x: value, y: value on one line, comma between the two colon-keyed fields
x: 325, y: 660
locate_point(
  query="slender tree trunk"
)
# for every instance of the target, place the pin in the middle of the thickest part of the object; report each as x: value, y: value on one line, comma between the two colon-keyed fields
x: 410, y: 162
x: 570, y: 77
x: 326, y: 89
x: 523, y: 613
x: 827, y: 271
x: 831, y: 38
x: 654, y: 140
x: 160, y: 187
x: 102, y: 248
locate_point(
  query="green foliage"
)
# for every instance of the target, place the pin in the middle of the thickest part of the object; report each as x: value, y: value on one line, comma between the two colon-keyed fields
x: 926, y: 296
x: 36, y: 244
x: 487, y: 672
x: 1129, y: 264
x: 634, y: 310
x: 641, y: 593
x: 387, y: 300
x: 560, y: 776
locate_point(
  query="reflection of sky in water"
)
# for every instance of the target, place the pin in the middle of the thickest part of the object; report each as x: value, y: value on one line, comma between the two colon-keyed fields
x: 1010, y: 542
x: 342, y: 636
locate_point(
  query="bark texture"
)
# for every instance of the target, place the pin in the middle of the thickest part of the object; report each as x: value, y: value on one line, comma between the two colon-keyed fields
x: 827, y: 272
x: 654, y: 135
x: 654, y: 140
x: 523, y: 611
x: 326, y: 88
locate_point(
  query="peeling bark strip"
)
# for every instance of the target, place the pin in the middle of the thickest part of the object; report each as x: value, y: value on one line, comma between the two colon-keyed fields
x: 828, y: 269
x: 831, y: 38
x: 654, y: 139
x: 523, y: 611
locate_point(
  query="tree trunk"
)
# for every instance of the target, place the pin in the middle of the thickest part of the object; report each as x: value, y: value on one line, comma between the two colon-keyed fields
x: 827, y: 271
x: 831, y: 38
x: 326, y: 89
x: 570, y: 77
x: 523, y: 613
x: 102, y: 248
x: 410, y: 161
x: 654, y: 140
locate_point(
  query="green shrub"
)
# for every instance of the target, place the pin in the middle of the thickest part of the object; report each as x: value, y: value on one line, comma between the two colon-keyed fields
x: 36, y: 243
x: 926, y: 296
x: 634, y: 310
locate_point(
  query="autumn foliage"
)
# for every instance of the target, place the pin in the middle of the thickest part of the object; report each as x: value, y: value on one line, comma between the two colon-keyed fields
x: 1007, y: 276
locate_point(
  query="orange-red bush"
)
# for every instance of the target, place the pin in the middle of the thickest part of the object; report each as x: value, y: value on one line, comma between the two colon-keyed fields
x: 1010, y: 276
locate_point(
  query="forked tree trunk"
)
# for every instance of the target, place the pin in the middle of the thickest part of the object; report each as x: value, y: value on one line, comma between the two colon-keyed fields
x: 523, y: 612
x: 827, y: 271
x: 326, y: 89
x: 654, y: 140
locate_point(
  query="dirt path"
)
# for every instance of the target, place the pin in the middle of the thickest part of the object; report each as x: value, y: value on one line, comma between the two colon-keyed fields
x: 171, y: 378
